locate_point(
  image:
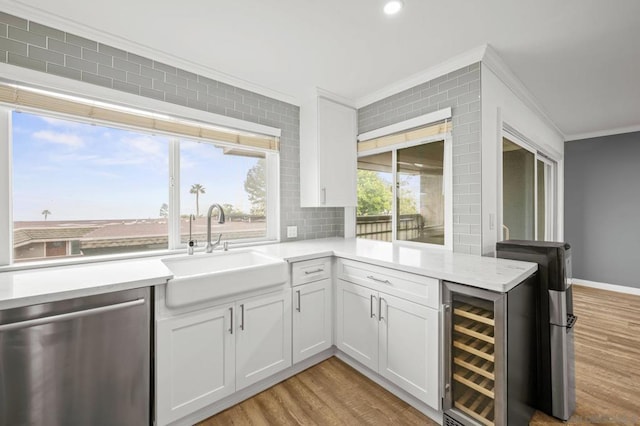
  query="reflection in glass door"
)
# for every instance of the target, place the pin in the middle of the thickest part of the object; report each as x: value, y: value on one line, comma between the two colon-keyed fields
x: 518, y: 192
x: 420, y: 193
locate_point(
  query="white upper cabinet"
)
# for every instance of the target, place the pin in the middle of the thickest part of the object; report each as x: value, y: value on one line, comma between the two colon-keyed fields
x: 328, y: 154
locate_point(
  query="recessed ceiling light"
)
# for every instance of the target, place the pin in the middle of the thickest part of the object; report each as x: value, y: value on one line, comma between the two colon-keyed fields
x: 393, y: 6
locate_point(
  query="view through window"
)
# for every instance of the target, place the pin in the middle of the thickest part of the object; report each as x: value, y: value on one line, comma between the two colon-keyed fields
x: 233, y: 178
x: 420, y: 201
x: 83, y: 189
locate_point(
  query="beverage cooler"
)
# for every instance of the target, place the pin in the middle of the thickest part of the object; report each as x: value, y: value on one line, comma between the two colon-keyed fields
x: 489, y: 361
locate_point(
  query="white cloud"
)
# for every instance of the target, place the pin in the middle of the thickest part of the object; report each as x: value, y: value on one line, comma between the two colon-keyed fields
x: 67, y: 139
x: 62, y: 123
x: 148, y: 146
x: 72, y: 158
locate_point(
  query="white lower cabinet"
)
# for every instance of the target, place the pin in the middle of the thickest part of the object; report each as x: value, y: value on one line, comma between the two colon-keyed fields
x: 312, y: 319
x: 357, y: 323
x: 195, y: 362
x: 206, y: 355
x: 263, y: 340
x: 392, y: 336
x: 408, y: 347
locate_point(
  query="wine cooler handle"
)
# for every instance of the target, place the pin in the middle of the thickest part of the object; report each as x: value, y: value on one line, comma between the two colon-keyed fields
x: 446, y: 353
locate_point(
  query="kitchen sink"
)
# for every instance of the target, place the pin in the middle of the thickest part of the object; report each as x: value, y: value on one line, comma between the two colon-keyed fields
x: 207, y: 276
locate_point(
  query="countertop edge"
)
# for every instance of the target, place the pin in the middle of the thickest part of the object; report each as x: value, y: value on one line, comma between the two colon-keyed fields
x: 291, y: 252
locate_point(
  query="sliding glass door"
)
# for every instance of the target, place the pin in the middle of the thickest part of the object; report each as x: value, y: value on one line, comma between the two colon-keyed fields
x: 527, y: 193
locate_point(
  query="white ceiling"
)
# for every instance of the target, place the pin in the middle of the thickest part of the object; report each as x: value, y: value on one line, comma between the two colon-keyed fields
x: 580, y: 59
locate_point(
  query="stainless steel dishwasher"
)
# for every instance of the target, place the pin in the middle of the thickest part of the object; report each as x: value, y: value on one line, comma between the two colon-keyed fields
x: 83, y: 361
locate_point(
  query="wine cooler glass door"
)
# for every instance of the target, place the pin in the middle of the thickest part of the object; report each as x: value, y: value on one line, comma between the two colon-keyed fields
x: 473, y: 362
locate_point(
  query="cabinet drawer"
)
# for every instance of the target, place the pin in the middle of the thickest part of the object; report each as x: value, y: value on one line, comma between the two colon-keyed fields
x: 417, y: 288
x: 310, y: 270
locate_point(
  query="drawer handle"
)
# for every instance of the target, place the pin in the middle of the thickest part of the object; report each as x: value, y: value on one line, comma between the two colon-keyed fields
x: 371, y: 277
x: 315, y: 271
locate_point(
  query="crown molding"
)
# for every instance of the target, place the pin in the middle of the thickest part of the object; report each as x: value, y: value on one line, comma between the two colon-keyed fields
x: 601, y: 133
x: 495, y: 63
x: 31, y: 13
x: 467, y: 58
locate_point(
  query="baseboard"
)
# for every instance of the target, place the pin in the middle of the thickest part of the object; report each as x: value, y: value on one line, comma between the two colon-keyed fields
x: 610, y: 287
x: 434, y: 415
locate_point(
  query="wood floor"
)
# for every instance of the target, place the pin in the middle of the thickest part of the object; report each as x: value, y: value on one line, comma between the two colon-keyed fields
x: 607, y: 345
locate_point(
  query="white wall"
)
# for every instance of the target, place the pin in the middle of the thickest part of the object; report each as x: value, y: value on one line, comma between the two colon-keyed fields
x: 501, y: 105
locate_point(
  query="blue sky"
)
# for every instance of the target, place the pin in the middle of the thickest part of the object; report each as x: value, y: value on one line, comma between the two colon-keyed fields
x: 83, y: 171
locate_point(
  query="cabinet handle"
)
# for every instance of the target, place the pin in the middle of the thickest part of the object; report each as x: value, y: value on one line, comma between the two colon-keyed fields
x: 380, y: 280
x: 380, y: 317
x: 315, y: 271
x: 324, y: 196
x: 231, y: 317
x: 373, y: 315
x: 299, y: 306
x: 242, y: 317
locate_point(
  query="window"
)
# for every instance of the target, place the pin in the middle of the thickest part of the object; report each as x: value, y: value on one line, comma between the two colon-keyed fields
x: 403, y: 187
x: 235, y: 179
x: 82, y: 188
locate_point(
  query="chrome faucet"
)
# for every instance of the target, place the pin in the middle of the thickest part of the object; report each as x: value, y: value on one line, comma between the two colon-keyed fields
x: 191, y: 244
x: 211, y: 246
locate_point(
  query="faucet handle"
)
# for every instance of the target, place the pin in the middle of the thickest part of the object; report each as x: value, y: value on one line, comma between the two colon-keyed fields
x: 218, y: 240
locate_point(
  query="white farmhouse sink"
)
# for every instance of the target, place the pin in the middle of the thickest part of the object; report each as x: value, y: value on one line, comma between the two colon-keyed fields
x: 203, y: 277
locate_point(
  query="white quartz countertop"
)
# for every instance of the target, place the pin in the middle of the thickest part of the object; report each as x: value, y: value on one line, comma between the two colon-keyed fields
x: 32, y: 286
x: 488, y: 273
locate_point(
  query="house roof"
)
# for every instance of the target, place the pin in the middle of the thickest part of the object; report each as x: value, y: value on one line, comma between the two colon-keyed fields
x: 110, y: 233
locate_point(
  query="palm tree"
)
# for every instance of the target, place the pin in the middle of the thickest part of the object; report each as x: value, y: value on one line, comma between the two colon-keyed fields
x: 46, y: 213
x: 197, y: 189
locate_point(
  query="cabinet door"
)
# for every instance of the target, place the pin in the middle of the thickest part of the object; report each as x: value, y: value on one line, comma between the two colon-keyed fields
x: 357, y: 323
x: 409, y: 347
x: 195, y: 362
x: 311, y: 319
x: 263, y: 341
x: 337, y: 154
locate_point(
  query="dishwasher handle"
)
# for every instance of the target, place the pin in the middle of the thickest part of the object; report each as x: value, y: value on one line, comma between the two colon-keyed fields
x: 70, y: 315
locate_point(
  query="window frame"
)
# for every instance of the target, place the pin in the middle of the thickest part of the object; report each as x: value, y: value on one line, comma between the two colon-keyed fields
x: 446, y: 137
x: 272, y: 163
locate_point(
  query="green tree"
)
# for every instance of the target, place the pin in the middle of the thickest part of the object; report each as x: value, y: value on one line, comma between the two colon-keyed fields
x: 406, y: 198
x: 406, y: 202
x: 229, y: 209
x: 45, y: 213
x: 374, y: 194
x: 256, y: 187
x: 197, y: 189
